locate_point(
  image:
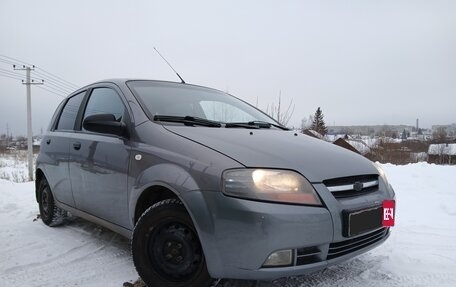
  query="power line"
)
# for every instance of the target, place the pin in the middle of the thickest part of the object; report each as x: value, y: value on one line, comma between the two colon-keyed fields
x: 55, y: 80
x: 53, y: 85
x: 60, y: 87
x: 16, y: 60
x: 58, y: 94
x: 7, y: 62
x: 57, y: 83
x: 56, y: 88
x: 11, y: 77
x: 10, y: 72
x: 57, y: 77
x: 50, y: 75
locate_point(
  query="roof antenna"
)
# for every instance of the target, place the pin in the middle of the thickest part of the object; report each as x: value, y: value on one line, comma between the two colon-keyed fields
x: 182, y: 80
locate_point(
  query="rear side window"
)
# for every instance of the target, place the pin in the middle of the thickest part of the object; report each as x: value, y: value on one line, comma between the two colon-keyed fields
x: 69, y: 112
x: 105, y: 101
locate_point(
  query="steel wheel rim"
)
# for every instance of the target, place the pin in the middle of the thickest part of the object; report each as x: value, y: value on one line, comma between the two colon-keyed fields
x: 45, y: 202
x: 174, y: 251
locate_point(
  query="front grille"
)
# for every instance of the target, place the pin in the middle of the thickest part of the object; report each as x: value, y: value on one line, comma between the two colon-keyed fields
x: 351, y: 186
x: 307, y: 255
x: 338, y: 249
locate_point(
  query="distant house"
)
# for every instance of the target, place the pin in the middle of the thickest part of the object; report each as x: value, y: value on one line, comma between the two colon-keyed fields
x: 355, y: 145
x: 442, y: 153
x: 360, y: 146
x: 313, y: 134
x: 345, y: 144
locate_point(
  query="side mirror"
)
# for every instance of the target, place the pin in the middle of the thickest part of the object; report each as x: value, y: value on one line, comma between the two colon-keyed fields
x: 105, y: 124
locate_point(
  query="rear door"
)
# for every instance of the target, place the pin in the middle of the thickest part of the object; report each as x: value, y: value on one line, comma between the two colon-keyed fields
x: 99, y: 162
x: 55, y: 149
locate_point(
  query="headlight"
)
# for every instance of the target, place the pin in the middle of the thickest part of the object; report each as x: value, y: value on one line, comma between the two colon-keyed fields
x: 269, y: 185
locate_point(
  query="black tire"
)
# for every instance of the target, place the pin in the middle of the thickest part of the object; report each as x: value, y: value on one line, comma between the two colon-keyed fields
x: 243, y: 283
x: 166, y: 249
x: 50, y: 214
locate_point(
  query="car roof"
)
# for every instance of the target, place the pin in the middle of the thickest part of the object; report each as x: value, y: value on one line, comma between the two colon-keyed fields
x: 122, y: 81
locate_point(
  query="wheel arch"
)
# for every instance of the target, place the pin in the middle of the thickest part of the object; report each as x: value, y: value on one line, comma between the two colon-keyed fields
x: 158, y: 182
x: 151, y: 195
x: 172, y: 180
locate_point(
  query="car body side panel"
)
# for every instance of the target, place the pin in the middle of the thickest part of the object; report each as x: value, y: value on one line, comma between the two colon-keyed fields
x: 53, y: 160
x: 99, y: 176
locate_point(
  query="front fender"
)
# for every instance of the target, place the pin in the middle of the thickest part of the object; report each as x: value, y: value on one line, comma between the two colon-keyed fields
x: 181, y: 183
x: 167, y: 175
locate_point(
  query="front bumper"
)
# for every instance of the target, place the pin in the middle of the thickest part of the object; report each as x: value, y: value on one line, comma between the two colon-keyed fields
x: 238, y: 235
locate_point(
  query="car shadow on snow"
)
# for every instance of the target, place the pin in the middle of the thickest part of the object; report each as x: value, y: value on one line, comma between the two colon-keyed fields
x: 96, y: 232
x: 362, y: 271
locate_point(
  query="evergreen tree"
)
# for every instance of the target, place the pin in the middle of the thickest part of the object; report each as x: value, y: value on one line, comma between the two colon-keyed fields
x: 404, y: 135
x: 318, y: 123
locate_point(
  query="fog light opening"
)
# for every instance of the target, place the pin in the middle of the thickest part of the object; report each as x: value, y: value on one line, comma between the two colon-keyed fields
x: 279, y: 258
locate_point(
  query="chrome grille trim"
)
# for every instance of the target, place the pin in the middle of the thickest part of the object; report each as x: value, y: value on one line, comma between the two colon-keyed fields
x: 351, y: 186
x: 347, y: 187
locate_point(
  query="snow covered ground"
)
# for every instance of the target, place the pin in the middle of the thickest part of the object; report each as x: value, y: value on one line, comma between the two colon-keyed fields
x: 420, y: 252
x: 13, y: 166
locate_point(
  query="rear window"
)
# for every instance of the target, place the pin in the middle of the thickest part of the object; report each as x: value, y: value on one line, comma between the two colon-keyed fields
x: 70, y: 112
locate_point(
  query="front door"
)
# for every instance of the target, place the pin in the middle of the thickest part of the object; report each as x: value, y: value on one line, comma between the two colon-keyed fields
x: 99, y: 162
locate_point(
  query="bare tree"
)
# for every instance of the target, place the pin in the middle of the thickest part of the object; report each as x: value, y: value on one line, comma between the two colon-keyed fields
x: 440, y: 135
x: 306, y: 123
x: 276, y: 112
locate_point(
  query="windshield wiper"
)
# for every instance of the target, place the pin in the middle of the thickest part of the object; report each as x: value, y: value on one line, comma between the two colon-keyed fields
x: 254, y: 125
x: 188, y: 121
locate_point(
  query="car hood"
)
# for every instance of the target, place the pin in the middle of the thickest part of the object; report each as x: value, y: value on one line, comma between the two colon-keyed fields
x: 316, y: 159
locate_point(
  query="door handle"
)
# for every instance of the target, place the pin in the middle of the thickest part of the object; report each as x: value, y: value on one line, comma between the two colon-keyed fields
x: 48, y: 141
x: 77, y: 146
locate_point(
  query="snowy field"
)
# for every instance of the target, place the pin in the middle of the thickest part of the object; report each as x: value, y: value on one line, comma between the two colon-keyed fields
x: 13, y: 166
x: 420, y: 252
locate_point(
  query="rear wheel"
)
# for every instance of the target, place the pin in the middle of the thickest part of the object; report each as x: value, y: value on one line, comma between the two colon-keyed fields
x: 166, y: 249
x: 50, y: 214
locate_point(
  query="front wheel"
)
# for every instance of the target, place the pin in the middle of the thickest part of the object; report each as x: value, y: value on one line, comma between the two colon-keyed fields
x: 166, y: 249
x: 50, y: 214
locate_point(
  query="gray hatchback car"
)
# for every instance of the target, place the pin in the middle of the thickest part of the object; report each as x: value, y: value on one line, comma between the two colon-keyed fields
x: 206, y: 185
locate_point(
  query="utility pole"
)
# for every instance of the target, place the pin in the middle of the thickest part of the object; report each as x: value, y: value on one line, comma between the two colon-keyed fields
x: 28, y: 82
x: 7, y: 134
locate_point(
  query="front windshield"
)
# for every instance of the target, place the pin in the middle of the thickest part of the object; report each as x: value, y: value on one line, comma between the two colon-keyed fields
x: 170, y: 99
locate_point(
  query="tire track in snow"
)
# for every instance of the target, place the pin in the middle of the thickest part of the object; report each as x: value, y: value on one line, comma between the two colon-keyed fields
x: 366, y: 271
x: 100, y: 253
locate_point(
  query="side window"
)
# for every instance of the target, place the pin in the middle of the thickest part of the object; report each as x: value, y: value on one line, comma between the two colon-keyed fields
x: 105, y: 101
x: 69, y: 112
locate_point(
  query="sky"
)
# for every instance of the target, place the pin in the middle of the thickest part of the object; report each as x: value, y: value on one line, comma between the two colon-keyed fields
x: 362, y: 61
